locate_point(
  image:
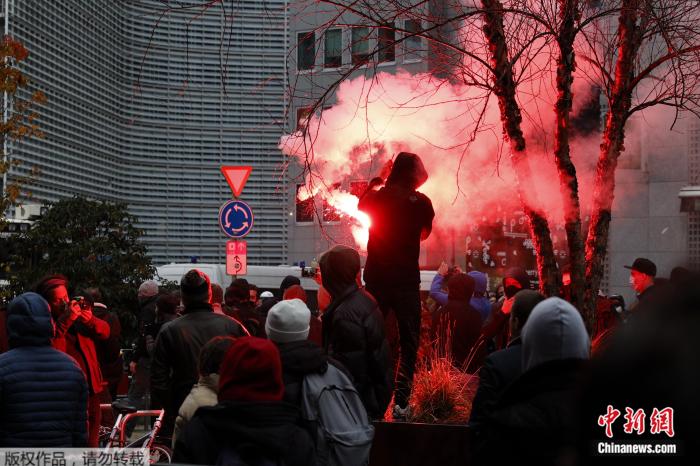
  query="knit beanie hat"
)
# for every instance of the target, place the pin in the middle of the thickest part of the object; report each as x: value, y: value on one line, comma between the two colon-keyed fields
x: 288, y: 281
x: 251, y: 371
x: 339, y: 268
x: 295, y: 291
x: 288, y: 321
x: 147, y: 289
x: 195, y: 286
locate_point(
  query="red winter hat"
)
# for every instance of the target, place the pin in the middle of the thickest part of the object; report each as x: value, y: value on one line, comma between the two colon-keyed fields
x: 251, y: 371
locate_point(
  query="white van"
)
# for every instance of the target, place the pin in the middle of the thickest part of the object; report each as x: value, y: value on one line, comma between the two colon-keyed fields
x: 174, y: 272
x: 265, y: 277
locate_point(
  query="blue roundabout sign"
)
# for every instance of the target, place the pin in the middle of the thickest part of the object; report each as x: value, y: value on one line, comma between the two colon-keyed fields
x: 236, y: 219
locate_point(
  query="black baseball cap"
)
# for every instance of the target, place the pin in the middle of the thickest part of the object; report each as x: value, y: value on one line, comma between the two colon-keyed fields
x: 643, y: 265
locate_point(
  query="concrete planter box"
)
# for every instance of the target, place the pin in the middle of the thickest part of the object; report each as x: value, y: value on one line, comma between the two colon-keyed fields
x: 413, y: 444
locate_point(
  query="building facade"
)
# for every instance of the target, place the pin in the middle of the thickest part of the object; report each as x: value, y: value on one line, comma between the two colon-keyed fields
x: 319, y: 56
x: 145, y: 103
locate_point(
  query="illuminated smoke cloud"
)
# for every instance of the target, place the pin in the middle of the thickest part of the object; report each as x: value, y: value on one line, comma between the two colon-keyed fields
x: 457, y: 132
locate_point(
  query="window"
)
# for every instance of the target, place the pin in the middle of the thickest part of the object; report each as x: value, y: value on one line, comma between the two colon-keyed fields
x: 302, y: 118
x: 360, y: 45
x: 690, y: 199
x: 412, y: 44
x: 306, y: 52
x: 386, y: 43
x: 305, y: 208
x: 330, y: 214
x: 333, y: 49
x: 358, y: 188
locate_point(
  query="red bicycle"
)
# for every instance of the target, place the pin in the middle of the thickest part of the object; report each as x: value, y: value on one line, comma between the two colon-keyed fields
x: 115, y: 437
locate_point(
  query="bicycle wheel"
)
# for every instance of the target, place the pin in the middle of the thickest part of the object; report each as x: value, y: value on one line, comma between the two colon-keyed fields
x: 160, y: 454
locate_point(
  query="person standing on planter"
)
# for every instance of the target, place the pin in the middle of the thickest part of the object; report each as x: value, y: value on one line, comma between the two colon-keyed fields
x: 401, y: 218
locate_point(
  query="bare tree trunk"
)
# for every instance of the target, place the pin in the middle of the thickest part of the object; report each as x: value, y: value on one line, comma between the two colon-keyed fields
x: 568, y: 183
x: 504, y: 88
x: 610, y: 149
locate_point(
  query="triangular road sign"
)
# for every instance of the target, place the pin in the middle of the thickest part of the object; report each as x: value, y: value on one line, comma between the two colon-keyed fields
x: 236, y: 177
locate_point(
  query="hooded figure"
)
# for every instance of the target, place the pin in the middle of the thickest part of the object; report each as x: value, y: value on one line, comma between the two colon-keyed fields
x: 479, y: 300
x: 554, y: 331
x: 537, y: 413
x: 460, y: 321
x: 496, y: 327
x: 250, y: 424
x: 353, y: 329
x: 503, y: 367
x: 401, y: 218
x: 43, y: 391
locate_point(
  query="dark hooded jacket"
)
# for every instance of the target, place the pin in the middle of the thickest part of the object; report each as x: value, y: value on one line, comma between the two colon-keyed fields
x: 496, y: 327
x: 353, y: 329
x: 460, y: 321
x: 4, y: 345
x: 253, y: 430
x: 400, y: 217
x: 43, y: 392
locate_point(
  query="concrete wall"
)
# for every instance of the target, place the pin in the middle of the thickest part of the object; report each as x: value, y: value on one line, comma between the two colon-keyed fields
x: 647, y: 221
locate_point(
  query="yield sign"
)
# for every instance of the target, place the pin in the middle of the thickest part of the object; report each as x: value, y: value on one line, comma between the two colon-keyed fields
x: 236, y: 177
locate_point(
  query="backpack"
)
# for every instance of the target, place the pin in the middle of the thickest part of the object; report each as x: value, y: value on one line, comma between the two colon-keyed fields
x: 344, y: 433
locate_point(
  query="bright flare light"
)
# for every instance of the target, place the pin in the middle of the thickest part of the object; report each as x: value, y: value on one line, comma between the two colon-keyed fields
x: 346, y: 204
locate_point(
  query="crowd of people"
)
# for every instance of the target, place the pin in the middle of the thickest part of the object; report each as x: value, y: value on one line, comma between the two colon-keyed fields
x: 250, y: 377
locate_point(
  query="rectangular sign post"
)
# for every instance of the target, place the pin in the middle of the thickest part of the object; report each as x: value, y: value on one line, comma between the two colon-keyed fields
x: 236, y: 257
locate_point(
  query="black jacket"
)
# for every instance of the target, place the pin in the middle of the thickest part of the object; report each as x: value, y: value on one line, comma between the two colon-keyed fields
x: 176, y: 354
x: 500, y: 369
x: 537, y: 414
x: 353, y: 334
x: 262, y: 429
x: 109, y: 350
x: 465, y: 327
x: 299, y: 358
x: 147, y: 319
x: 245, y: 313
x: 400, y: 216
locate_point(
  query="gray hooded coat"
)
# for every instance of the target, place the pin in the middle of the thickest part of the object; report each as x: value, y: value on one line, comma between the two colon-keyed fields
x: 537, y: 413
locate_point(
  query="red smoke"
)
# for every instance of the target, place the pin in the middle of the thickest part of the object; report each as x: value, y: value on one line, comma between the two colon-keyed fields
x: 456, y: 130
